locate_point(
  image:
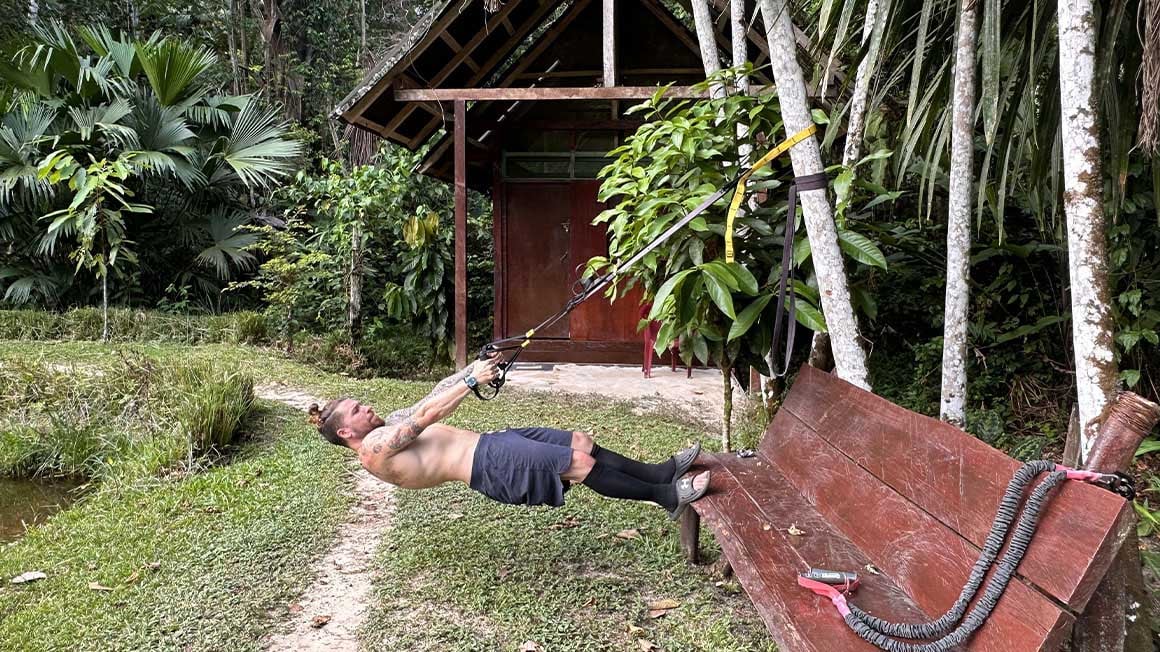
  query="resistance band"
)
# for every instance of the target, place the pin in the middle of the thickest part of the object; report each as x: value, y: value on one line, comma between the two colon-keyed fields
x: 879, y: 632
x: 585, y: 289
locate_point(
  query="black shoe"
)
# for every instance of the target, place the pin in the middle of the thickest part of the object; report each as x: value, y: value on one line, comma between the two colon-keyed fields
x: 687, y: 493
x: 684, y: 460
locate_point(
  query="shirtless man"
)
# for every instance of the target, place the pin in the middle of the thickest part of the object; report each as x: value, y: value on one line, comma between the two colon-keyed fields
x: 519, y: 466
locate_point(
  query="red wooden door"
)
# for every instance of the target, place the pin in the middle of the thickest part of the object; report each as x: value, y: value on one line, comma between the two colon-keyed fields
x: 537, y: 264
x: 597, y: 319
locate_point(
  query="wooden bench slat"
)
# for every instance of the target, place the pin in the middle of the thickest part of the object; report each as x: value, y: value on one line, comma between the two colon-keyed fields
x: 767, y: 561
x: 922, y: 555
x: 959, y: 480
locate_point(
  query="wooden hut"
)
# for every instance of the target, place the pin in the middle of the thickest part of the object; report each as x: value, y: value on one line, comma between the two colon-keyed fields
x: 525, y: 99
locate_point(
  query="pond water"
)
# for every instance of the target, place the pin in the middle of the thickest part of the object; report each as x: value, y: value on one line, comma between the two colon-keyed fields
x: 26, y: 502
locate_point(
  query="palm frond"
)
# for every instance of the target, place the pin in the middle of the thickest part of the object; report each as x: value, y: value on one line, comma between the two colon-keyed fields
x: 257, y: 150
x: 173, y: 67
x: 229, y: 246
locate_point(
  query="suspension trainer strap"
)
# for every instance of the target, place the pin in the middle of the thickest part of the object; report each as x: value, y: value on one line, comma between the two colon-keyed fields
x: 587, y: 288
x: 739, y: 192
x: 785, y: 291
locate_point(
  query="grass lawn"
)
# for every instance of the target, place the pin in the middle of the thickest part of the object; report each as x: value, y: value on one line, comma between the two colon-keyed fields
x: 456, y: 572
x: 180, y: 564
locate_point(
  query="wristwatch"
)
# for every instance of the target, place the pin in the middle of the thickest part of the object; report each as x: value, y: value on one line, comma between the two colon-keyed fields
x: 471, y: 381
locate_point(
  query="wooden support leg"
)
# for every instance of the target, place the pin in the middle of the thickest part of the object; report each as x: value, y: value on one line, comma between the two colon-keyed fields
x: 1118, y: 616
x: 690, y: 533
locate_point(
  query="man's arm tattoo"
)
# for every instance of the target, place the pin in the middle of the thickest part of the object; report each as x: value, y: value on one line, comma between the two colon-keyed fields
x: 398, y: 416
x: 404, y: 434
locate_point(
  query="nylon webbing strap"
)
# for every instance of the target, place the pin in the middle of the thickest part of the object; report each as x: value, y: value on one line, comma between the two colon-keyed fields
x: 785, y: 290
x: 739, y: 192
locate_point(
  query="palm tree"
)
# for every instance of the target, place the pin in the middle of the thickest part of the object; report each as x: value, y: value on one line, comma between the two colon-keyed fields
x: 193, y: 152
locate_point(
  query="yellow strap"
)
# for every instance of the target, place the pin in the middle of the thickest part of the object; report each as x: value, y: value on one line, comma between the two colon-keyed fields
x: 739, y: 193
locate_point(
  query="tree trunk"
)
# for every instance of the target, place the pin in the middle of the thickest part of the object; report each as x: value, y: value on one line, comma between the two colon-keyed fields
x: 105, y: 300
x: 33, y: 12
x: 233, y: 45
x: 739, y: 39
x: 727, y: 413
x: 244, y: 41
x: 849, y: 357
x: 872, y: 29
x: 708, y: 42
x: 952, y: 408
x: 1091, y: 319
x: 354, y: 306
x: 362, y: 32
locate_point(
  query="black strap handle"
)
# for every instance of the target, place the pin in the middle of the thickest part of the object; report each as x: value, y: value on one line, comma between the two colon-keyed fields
x: 785, y: 291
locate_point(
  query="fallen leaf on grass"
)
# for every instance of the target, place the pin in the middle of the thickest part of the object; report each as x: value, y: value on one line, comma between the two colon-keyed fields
x: 30, y: 576
x: 530, y: 646
x: 132, y: 578
x: 295, y: 608
x: 633, y: 630
x: 454, y: 517
x: 565, y: 524
x: 97, y: 586
x: 646, y: 645
x: 320, y: 621
x: 794, y: 531
x: 153, y: 566
x: 658, y: 608
x: 629, y: 534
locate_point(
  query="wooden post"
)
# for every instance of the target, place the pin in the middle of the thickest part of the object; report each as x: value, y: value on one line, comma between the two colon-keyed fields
x: 610, y: 43
x: 460, y: 234
x: 690, y: 532
x: 1117, y: 618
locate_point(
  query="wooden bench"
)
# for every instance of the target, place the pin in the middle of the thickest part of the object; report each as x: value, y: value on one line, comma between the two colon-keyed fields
x: 846, y: 480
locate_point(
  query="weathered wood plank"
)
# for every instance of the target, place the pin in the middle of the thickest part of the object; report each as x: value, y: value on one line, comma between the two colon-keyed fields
x: 960, y: 480
x: 767, y: 563
x: 923, y: 556
x: 609, y: 42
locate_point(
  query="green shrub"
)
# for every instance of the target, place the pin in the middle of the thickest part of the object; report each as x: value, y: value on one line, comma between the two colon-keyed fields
x: 116, y: 420
x: 127, y: 325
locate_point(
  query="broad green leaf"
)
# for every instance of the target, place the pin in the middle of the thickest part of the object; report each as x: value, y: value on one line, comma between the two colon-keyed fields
x: 745, y: 281
x: 722, y: 273
x: 809, y: 316
x: 663, y: 293
x: 700, y: 348
x: 719, y: 293
x: 861, y: 248
x: 747, y: 316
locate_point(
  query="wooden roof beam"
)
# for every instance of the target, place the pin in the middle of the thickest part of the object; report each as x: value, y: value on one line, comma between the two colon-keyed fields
x: 544, y: 93
x: 488, y: 66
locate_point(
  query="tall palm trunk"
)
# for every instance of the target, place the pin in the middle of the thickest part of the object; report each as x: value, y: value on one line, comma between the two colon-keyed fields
x: 708, y: 43
x: 33, y: 12
x: 872, y: 30
x: 1091, y: 320
x: 952, y: 408
x: 806, y: 158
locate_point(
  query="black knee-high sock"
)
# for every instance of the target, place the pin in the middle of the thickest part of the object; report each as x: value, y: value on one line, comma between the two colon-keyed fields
x: 655, y: 473
x: 607, y: 481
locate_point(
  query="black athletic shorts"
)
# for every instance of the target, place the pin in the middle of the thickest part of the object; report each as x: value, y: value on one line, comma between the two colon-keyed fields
x: 522, y: 466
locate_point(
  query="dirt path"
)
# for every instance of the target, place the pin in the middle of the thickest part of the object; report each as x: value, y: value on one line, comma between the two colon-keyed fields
x: 328, y: 615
